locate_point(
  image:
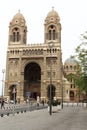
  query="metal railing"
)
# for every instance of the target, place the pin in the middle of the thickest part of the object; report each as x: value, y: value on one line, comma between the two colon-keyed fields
x: 20, y: 108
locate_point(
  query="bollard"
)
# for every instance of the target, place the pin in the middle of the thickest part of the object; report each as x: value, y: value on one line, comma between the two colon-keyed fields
x: 18, y: 112
x: 1, y: 115
x: 7, y: 114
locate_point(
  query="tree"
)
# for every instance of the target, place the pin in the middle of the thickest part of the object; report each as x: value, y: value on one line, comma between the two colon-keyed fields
x: 81, y: 55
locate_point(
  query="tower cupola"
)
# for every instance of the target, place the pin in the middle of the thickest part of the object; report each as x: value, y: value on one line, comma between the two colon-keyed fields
x: 18, y: 19
x: 52, y: 27
x: 52, y: 16
x: 17, y: 30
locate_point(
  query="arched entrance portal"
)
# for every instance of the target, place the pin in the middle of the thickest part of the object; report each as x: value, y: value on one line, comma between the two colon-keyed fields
x: 32, y: 78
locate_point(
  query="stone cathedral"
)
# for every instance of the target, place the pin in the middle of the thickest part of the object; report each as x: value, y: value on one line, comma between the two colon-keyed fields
x: 33, y: 67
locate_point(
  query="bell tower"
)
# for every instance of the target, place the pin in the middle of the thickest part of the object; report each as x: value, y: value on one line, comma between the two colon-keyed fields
x: 52, y: 28
x: 17, y: 39
x: 17, y: 30
x: 53, y: 56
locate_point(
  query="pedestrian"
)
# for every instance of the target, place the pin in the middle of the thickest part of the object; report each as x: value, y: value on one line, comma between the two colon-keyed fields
x: 43, y: 102
x: 38, y: 100
x: 2, y: 104
x: 38, y: 103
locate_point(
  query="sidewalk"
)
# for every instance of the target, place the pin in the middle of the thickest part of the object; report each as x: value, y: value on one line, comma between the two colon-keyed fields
x: 70, y: 118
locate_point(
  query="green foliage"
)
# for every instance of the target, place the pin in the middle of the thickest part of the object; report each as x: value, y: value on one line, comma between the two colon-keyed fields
x: 70, y: 77
x: 56, y: 102
x: 81, y: 55
x: 74, y: 78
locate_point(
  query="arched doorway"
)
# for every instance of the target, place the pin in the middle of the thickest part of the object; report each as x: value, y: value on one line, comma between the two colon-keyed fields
x: 32, y: 78
x: 71, y: 96
x: 52, y: 91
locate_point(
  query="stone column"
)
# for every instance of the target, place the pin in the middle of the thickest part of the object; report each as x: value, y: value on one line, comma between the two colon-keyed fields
x: 43, y: 78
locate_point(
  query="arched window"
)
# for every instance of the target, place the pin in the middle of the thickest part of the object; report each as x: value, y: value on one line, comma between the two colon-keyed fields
x: 71, y: 86
x: 16, y: 35
x: 54, y: 35
x: 52, y: 32
x: 13, y: 36
x: 71, y: 95
x: 49, y: 34
x: 66, y: 67
x: 71, y: 67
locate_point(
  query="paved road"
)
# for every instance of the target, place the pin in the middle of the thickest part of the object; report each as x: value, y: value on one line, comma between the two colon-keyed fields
x: 70, y: 118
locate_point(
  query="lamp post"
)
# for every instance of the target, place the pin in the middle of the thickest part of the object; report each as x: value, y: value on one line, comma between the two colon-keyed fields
x: 62, y: 97
x: 14, y: 92
x: 3, y: 71
x: 63, y: 83
x: 14, y: 98
x: 50, y: 98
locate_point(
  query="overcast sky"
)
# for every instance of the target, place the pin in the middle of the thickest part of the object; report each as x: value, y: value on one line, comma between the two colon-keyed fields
x: 73, y: 18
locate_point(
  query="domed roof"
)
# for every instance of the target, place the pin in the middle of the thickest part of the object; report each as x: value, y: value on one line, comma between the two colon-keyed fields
x: 18, y: 15
x: 18, y: 19
x: 71, y: 61
x: 52, y: 16
x: 52, y: 13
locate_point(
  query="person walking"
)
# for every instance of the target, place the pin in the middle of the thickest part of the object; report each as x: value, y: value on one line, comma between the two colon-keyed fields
x: 43, y: 102
x: 2, y: 104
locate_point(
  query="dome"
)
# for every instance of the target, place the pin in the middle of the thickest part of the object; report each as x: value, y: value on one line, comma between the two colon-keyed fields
x: 18, y: 19
x: 18, y: 16
x: 52, y: 16
x: 52, y: 13
x: 71, y: 61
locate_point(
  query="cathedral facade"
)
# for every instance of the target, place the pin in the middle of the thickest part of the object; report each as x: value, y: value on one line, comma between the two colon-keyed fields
x: 33, y: 68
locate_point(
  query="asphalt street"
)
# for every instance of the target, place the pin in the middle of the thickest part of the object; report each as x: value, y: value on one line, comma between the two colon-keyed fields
x: 69, y: 118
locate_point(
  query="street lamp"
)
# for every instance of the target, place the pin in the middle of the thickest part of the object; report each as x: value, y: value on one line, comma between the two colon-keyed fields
x: 62, y: 97
x: 14, y: 92
x: 63, y: 83
x: 50, y: 98
x: 3, y: 71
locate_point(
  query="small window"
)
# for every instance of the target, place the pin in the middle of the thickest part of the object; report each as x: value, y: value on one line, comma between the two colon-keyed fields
x: 52, y: 32
x: 71, y: 86
x: 66, y: 67
x: 71, y: 67
x: 16, y: 36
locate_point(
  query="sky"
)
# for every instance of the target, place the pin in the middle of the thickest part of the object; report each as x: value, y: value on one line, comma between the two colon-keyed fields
x: 73, y: 18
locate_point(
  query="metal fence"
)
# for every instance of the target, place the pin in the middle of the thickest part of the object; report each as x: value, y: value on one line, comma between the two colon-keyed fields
x: 20, y: 108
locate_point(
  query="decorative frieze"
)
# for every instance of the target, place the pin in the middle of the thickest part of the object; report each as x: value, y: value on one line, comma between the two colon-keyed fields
x: 33, y: 52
